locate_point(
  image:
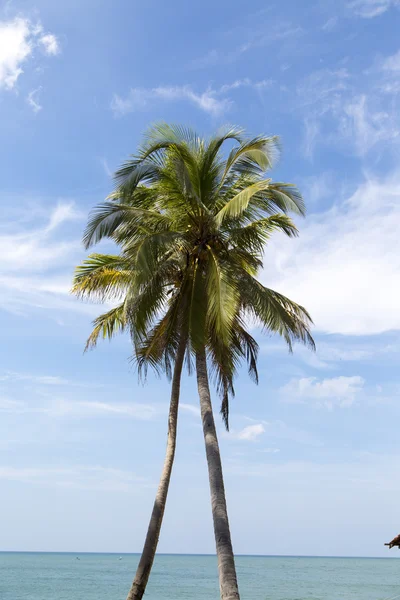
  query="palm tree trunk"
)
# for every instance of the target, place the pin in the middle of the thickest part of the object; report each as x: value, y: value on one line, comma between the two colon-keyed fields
x: 153, y: 532
x: 226, y: 562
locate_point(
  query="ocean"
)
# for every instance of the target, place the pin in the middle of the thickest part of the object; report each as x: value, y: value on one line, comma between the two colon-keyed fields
x: 51, y: 576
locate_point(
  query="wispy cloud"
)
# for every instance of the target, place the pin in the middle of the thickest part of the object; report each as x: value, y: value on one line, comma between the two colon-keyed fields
x: 47, y: 380
x: 141, y: 98
x: 316, y: 188
x: 68, y: 408
x: 18, y: 39
x: 369, y: 9
x: 65, y: 408
x: 261, y: 32
x: 38, y: 254
x: 41, y: 379
x: 311, y: 134
x: 213, y: 101
x: 33, y: 100
x: 336, y: 392
x: 80, y: 477
x: 365, y: 126
x: 354, y: 112
x: 190, y: 408
x: 106, y: 167
x: 330, y: 355
x: 50, y: 44
x: 330, y: 24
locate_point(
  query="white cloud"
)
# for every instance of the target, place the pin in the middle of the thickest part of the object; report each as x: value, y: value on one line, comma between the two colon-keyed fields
x: 366, y: 127
x: 18, y: 40
x: 392, y: 63
x: 33, y: 101
x: 210, y: 101
x: 372, y: 8
x: 250, y: 433
x: 15, y: 47
x: 62, y: 213
x: 338, y: 391
x: 50, y: 44
x: 345, y: 266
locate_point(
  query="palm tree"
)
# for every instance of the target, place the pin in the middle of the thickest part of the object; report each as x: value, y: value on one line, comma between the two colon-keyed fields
x: 193, y: 225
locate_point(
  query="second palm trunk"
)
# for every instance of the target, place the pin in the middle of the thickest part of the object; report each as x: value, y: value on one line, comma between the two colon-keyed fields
x: 150, y: 546
x: 226, y: 562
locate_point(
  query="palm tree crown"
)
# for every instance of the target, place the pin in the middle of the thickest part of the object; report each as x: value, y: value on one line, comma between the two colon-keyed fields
x: 192, y: 225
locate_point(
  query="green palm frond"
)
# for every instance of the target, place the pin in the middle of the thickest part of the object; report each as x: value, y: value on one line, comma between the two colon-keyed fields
x: 102, y: 277
x: 107, y: 325
x: 285, y: 197
x: 276, y: 313
x: 254, y: 237
x: 238, y: 204
x: 253, y: 156
x: 222, y: 298
x: 106, y: 218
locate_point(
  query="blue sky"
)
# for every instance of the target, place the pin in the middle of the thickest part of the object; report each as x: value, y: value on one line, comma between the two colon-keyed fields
x: 311, y: 462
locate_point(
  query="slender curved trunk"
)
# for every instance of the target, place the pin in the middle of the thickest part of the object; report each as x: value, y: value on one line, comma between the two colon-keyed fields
x: 153, y: 532
x: 226, y: 562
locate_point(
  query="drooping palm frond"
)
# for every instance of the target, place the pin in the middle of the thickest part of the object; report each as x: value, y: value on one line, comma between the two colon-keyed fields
x: 276, y: 313
x: 107, y: 325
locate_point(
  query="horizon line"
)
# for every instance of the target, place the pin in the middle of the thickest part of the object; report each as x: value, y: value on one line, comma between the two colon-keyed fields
x: 77, y: 552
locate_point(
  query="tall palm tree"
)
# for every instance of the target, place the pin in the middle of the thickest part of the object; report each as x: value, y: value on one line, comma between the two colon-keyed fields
x: 194, y: 224
x: 107, y: 278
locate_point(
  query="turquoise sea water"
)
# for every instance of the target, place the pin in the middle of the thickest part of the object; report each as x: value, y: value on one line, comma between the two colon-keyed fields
x: 37, y: 576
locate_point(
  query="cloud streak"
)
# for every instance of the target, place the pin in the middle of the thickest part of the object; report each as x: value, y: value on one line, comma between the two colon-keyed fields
x: 212, y: 101
x: 78, y: 477
x: 368, y: 9
x: 38, y: 256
